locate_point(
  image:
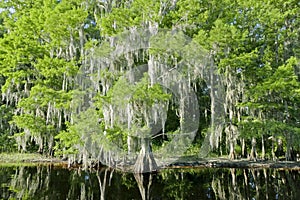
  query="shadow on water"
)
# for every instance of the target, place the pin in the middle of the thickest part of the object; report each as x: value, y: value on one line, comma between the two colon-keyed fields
x: 48, y: 182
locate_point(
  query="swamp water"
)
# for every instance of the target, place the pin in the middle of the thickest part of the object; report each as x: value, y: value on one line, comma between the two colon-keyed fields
x: 49, y: 182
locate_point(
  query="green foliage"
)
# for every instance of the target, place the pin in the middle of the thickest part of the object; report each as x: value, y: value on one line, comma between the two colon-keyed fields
x: 143, y: 93
x: 140, y: 95
x: 121, y: 18
x: 72, y: 140
x: 7, y: 142
x: 43, y: 44
x: 38, y: 63
x: 67, y: 142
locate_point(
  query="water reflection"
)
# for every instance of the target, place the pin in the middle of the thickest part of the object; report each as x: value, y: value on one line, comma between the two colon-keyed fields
x: 48, y: 182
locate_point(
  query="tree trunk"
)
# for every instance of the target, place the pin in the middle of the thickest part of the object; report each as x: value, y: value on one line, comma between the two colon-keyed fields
x: 132, y: 144
x: 263, y: 153
x: 288, y: 155
x: 145, y: 161
x: 231, y: 132
x: 253, y: 153
x: 273, y: 148
x: 231, y: 150
x: 244, y: 149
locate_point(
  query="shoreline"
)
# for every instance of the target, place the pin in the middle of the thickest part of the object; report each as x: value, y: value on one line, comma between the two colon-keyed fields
x: 238, y: 163
x: 18, y: 159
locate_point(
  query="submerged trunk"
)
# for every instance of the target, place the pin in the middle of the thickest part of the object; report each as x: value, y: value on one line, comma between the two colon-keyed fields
x: 145, y: 161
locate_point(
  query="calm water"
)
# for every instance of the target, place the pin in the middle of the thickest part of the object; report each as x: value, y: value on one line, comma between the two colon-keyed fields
x: 46, y: 182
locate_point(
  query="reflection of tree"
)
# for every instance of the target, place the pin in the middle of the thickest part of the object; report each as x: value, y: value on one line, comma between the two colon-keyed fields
x: 27, y: 181
x: 46, y: 182
x: 218, y: 189
x: 144, y: 182
x: 255, y: 184
x: 177, y: 184
x: 102, y: 183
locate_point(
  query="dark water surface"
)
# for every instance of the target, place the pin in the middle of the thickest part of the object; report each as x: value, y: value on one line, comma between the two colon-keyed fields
x: 48, y: 182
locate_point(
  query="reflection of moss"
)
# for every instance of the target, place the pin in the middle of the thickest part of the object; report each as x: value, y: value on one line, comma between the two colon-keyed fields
x: 25, y: 194
x: 128, y: 181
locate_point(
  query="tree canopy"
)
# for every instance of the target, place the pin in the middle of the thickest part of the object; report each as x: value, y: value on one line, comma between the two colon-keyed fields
x: 60, y: 66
